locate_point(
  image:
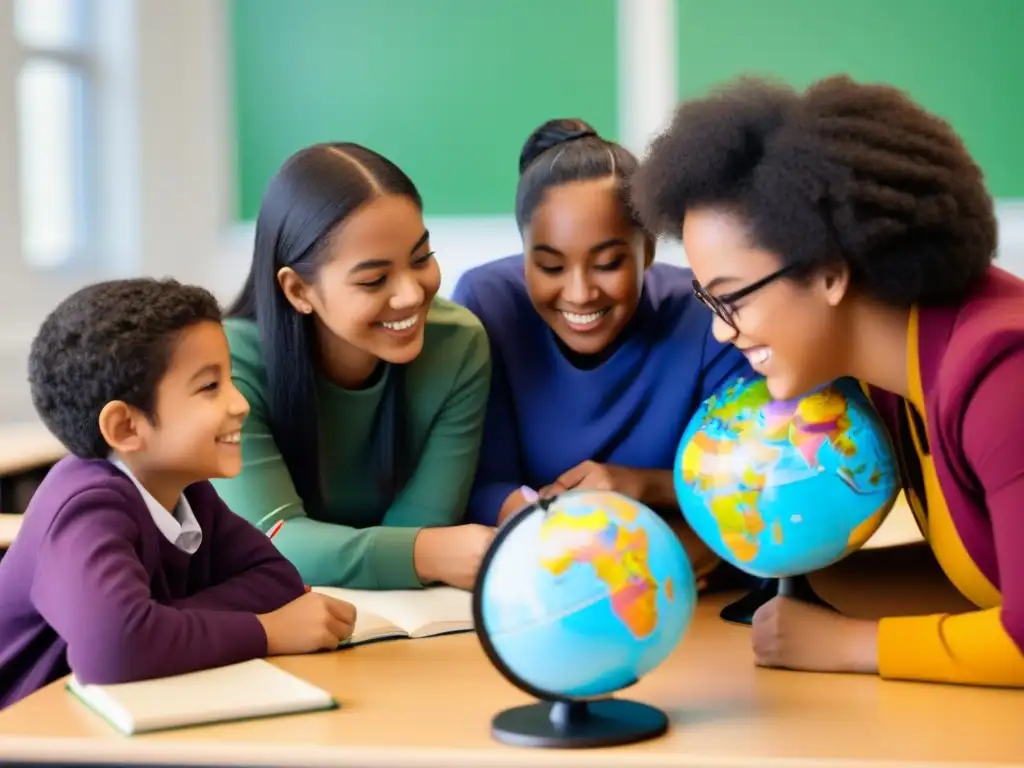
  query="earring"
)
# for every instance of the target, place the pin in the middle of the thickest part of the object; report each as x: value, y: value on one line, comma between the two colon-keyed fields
x: 306, y: 309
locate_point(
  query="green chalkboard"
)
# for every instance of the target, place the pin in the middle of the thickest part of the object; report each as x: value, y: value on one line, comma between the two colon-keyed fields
x: 447, y: 89
x: 962, y: 59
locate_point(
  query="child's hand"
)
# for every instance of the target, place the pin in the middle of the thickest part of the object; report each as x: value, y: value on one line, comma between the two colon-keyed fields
x: 309, y: 623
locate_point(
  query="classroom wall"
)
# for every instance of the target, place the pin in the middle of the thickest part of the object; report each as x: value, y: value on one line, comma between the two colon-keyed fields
x: 962, y: 59
x: 447, y: 89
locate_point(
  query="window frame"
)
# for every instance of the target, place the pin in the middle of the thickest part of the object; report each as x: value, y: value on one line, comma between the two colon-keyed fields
x: 82, y: 58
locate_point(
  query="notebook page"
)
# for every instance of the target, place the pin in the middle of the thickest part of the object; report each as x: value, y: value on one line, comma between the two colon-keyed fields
x: 410, y: 609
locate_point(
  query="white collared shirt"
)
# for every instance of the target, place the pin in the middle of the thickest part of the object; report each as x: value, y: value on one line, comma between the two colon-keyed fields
x: 180, y: 527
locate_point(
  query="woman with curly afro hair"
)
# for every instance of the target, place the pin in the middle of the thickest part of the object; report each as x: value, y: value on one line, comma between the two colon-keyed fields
x: 845, y: 231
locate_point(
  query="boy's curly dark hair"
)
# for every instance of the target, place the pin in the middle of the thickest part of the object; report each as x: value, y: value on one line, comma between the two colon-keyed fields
x: 843, y: 171
x: 109, y: 341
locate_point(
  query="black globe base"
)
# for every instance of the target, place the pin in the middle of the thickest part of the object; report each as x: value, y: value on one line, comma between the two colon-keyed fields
x: 797, y: 587
x: 579, y: 724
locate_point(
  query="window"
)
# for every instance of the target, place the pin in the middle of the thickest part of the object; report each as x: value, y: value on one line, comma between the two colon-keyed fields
x: 54, y: 109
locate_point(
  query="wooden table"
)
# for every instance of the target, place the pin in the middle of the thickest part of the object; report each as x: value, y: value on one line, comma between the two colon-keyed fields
x: 26, y: 446
x: 429, y: 703
x: 27, y: 450
x: 9, y: 527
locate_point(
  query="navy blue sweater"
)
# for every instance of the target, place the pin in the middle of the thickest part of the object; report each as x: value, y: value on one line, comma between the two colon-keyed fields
x: 546, y: 415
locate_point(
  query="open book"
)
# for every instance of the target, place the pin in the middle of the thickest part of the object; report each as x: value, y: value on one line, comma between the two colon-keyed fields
x: 236, y: 692
x: 411, y: 613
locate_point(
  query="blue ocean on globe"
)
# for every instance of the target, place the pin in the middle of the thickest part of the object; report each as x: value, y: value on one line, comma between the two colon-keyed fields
x: 783, y: 488
x: 585, y: 598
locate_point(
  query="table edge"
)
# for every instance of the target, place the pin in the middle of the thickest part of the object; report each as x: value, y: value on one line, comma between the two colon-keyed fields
x: 157, y: 752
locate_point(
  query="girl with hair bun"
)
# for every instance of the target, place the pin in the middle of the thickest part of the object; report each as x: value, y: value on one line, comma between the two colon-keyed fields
x: 600, y: 356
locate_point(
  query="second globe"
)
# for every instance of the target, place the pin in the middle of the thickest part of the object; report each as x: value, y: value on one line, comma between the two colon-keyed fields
x: 783, y: 488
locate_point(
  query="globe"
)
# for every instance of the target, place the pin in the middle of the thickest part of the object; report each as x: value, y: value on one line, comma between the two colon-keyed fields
x: 579, y: 596
x: 781, y: 488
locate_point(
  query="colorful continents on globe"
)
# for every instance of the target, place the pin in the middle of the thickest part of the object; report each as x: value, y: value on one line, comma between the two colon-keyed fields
x: 618, y: 556
x: 745, y: 447
x: 584, y: 594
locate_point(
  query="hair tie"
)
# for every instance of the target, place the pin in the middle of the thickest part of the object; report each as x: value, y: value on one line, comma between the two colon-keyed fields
x: 581, y: 134
x: 539, y: 144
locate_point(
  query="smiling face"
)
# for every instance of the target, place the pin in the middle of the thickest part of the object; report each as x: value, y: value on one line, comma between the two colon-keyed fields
x: 790, y: 330
x: 199, y: 412
x: 198, y: 417
x: 584, y: 263
x: 372, y: 290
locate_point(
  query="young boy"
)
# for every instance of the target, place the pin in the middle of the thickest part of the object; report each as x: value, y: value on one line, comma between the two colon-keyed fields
x: 128, y: 565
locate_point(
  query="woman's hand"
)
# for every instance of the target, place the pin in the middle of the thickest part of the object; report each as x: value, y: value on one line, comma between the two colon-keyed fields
x: 594, y: 476
x: 653, y: 487
x: 451, y: 555
x: 793, y: 634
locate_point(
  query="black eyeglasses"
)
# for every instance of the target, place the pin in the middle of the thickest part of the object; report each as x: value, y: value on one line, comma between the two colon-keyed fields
x: 725, y: 305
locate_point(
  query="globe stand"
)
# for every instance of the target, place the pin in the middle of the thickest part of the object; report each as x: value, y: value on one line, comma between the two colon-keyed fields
x: 579, y: 724
x: 796, y: 587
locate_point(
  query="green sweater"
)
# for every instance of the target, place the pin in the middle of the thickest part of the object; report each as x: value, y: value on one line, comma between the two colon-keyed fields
x: 359, y: 541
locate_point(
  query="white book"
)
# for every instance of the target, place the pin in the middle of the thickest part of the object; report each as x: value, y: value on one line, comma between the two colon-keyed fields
x: 236, y: 692
x: 405, y: 613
